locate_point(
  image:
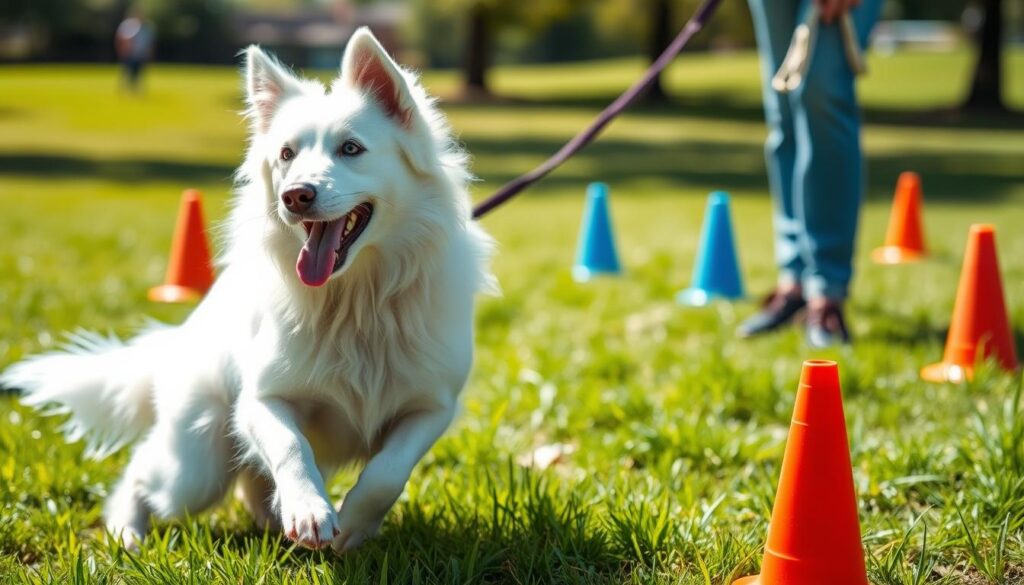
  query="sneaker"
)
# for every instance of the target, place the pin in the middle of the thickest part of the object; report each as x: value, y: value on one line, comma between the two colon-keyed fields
x: 826, y: 326
x: 778, y: 309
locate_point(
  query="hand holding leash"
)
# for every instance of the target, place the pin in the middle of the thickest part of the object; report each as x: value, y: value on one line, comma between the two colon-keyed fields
x: 830, y: 9
x: 794, y: 67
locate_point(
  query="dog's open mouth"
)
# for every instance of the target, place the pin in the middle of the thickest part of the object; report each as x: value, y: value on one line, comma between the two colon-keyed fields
x: 328, y: 242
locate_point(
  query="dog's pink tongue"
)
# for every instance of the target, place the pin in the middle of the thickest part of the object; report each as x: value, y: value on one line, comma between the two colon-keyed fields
x: 316, y: 260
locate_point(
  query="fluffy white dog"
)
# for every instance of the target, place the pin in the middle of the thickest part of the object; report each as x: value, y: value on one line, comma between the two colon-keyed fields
x: 340, y: 329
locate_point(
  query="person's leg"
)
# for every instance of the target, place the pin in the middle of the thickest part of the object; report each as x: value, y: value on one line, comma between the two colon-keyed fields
x: 126, y: 74
x: 828, y: 178
x: 774, y: 21
x: 137, y: 75
x: 129, y: 74
x: 828, y: 173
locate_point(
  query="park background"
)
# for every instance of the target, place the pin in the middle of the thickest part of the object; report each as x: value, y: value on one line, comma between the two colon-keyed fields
x: 669, y: 430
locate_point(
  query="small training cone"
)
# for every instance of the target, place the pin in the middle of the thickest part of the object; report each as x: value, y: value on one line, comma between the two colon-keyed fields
x: 716, y: 275
x: 904, y: 240
x: 190, y: 272
x: 595, y: 253
x: 980, y: 327
x: 814, y: 534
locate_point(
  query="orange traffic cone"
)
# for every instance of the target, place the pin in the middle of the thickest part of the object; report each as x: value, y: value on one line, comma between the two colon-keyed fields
x: 904, y: 240
x: 980, y: 327
x: 814, y: 535
x: 190, y: 272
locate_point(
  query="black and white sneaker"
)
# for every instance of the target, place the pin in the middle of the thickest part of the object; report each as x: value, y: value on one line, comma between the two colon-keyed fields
x: 826, y: 326
x: 777, y: 310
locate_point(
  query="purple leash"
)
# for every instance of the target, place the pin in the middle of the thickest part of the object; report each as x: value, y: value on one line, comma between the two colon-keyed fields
x: 588, y: 134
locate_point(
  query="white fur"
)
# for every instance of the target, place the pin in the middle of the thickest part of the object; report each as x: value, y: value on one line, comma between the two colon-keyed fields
x: 271, y: 384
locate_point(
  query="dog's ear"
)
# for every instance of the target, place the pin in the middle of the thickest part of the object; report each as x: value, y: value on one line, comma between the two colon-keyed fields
x: 267, y: 84
x: 366, y: 66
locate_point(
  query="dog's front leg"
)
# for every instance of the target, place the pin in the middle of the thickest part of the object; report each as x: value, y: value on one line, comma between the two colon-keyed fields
x: 386, y: 474
x: 268, y: 428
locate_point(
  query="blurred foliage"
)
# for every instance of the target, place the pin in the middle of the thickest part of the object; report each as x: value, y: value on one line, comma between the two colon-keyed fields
x: 523, y: 31
x: 484, y: 18
x: 569, y: 30
x: 83, y: 30
x: 563, y: 30
x: 64, y: 29
x: 191, y: 30
x: 440, y: 28
x: 626, y: 20
x: 533, y: 14
x: 925, y: 9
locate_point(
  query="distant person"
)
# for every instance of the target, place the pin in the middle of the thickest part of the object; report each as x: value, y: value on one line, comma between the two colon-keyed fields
x: 134, y: 42
x: 815, y: 166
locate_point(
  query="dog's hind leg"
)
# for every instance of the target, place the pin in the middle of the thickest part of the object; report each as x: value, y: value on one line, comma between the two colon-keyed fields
x: 127, y: 514
x: 256, y: 492
x: 183, y: 466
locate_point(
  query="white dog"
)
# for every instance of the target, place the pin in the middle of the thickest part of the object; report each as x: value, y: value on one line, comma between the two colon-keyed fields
x: 340, y: 329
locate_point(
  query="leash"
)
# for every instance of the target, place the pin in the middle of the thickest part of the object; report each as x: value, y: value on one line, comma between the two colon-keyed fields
x: 588, y: 134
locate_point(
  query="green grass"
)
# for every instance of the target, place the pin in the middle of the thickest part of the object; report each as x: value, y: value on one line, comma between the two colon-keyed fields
x: 679, y: 427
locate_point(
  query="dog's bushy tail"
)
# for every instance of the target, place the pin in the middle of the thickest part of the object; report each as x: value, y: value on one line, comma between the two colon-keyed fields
x: 104, y: 384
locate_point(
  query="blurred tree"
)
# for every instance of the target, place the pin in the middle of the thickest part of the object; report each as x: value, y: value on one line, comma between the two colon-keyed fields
x: 924, y: 9
x: 661, y: 32
x: 986, y: 86
x: 272, y: 5
x: 654, y: 23
x: 63, y: 29
x: 191, y: 30
x: 478, y: 48
x: 483, y: 20
x: 83, y: 30
x: 985, y: 92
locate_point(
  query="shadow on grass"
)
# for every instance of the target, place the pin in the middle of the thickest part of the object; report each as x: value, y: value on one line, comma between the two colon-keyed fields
x: 896, y: 329
x: 951, y: 176
x: 8, y: 112
x: 528, y: 533
x: 63, y: 166
x: 732, y: 106
x: 908, y: 330
x: 473, y: 550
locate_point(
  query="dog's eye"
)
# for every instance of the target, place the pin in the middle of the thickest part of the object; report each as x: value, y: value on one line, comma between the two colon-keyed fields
x: 287, y: 154
x: 350, y: 148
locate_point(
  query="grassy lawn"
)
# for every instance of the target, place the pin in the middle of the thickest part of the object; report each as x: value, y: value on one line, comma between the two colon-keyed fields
x: 678, y: 427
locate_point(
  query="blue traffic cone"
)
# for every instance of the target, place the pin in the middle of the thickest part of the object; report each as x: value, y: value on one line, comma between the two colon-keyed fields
x: 716, y: 275
x: 595, y: 253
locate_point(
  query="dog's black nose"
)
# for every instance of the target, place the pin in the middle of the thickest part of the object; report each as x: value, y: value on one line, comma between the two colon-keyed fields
x: 299, y: 197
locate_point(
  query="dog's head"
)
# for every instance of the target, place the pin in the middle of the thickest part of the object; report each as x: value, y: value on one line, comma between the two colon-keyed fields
x: 344, y: 166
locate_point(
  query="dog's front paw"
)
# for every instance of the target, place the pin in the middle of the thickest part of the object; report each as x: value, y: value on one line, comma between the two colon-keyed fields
x: 356, y: 531
x: 362, y: 513
x: 351, y: 540
x: 308, y: 520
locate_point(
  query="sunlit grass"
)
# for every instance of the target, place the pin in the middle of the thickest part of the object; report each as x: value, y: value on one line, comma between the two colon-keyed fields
x: 678, y: 426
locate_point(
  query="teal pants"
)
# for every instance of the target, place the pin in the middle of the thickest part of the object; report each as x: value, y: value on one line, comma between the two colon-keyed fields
x: 815, y: 165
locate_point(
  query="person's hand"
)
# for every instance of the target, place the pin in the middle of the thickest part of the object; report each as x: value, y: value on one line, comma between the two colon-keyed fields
x: 831, y: 9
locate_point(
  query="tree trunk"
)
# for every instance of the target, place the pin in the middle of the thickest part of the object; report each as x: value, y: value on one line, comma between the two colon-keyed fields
x: 478, y: 51
x: 986, y: 88
x: 660, y: 36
